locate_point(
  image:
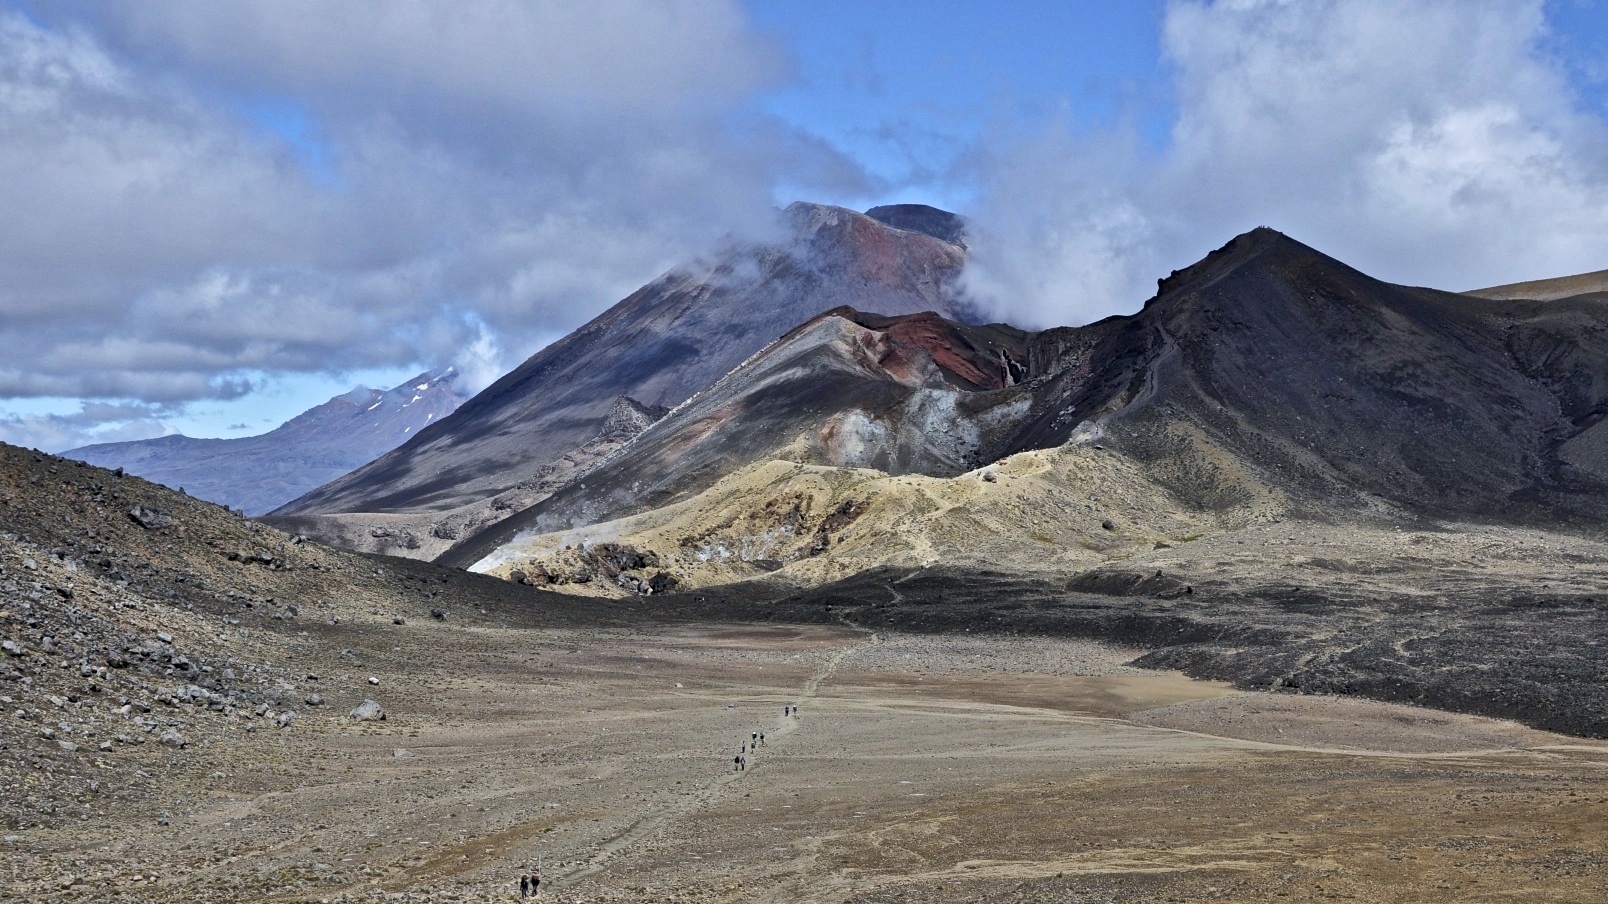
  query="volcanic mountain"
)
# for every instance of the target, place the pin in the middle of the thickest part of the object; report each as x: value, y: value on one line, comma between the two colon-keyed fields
x: 551, y: 418
x: 1280, y: 472
x: 258, y: 473
x: 1267, y: 381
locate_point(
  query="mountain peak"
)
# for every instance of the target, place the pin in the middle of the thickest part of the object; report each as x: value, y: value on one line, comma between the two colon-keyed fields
x: 1240, y: 249
x: 810, y: 218
x: 940, y: 224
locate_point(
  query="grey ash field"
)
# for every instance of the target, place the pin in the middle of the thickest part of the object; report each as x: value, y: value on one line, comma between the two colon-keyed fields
x: 933, y: 760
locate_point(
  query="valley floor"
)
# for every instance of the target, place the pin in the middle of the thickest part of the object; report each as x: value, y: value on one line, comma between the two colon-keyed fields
x: 920, y: 768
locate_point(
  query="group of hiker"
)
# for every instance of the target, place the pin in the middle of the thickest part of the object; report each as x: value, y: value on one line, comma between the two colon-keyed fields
x: 756, y: 740
x: 530, y: 885
x: 748, y: 748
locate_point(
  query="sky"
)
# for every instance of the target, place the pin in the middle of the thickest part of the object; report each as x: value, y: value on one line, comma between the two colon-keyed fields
x: 216, y: 215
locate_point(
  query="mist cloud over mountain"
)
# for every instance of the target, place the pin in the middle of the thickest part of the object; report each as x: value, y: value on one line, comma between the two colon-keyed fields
x: 209, y: 198
x: 1436, y: 143
x: 219, y: 193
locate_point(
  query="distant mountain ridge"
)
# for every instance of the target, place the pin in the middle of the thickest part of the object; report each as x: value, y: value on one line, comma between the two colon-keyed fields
x: 259, y: 473
x: 1549, y: 289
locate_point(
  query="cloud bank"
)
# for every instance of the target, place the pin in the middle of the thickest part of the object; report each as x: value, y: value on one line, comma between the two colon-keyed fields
x: 203, y: 197
x: 204, y: 193
x: 1430, y: 142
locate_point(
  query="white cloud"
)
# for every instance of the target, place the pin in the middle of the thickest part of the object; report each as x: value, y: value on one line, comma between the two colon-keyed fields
x: 91, y: 423
x: 1423, y: 141
x: 214, y: 190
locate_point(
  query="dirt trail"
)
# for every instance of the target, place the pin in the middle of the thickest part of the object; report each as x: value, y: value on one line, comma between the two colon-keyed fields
x: 650, y: 823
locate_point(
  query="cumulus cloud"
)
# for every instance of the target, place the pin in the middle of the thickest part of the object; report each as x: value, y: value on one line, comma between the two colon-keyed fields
x: 93, y: 422
x: 1429, y: 142
x: 212, y: 191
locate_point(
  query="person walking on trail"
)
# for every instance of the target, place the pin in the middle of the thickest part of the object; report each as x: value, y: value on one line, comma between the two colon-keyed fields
x: 762, y: 739
x: 786, y: 710
x: 736, y: 762
x: 535, y: 884
x: 524, y: 885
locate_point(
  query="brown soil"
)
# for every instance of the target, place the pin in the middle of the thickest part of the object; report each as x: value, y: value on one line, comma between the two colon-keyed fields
x: 920, y: 769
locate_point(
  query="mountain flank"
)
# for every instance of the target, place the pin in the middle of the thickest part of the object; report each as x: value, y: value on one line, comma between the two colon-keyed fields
x: 259, y: 473
x: 657, y: 348
x: 1553, y: 289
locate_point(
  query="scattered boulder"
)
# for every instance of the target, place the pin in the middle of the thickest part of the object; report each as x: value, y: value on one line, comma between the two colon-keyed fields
x: 402, y: 753
x: 368, y: 711
x: 1108, y: 524
x: 315, y: 700
x: 150, y: 519
x: 438, y: 614
x: 172, y: 738
x: 397, y: 620
x: 12, y: 648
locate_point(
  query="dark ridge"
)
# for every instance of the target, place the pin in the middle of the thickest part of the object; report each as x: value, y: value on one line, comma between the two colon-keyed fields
x: 940, y: 224
x: 1503, y: 660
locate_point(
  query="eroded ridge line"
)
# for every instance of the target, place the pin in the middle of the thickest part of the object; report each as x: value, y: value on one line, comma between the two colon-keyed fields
x: 650, y: 823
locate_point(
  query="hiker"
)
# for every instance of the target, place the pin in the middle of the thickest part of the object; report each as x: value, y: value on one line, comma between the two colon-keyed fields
x: 786, y: 710
x: 736, y: 762
x: 754, y: 739
x: 535, y: 884
x: 744, y: 762
x: 524, y: 885
x: 762, y: 739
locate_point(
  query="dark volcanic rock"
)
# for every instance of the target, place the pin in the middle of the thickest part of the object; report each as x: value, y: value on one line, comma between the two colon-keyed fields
x: 940, y: 224
x: 150, y: 519
x: 1534, y: 659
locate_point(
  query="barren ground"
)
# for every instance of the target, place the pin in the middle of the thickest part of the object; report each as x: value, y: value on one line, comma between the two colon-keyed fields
x: 921, y: 768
